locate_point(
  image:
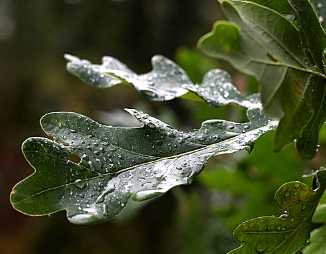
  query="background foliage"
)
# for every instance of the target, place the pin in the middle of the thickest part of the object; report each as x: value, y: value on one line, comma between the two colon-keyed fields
x: 193, y: 219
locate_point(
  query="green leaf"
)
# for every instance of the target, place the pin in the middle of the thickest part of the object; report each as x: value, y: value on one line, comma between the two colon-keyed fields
x: 217, y: 90
x: 317, y: 241
x: 289, y: 232
x: 164, y: 82
x: 318, y: 235
x: 320, y: 7
x: 284, y: 51
x: 91, y: 170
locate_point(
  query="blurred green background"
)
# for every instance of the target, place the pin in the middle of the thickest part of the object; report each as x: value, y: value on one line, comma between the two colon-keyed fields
x: 199, y: 218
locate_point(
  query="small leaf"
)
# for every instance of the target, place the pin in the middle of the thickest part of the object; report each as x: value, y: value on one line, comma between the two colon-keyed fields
x: 113, y: 164
x: 284, y: 51
x: 289, y: 232
x: 164, y: 82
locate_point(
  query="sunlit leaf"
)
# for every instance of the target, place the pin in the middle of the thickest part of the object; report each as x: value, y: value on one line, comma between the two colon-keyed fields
x: 164, y: 82
x: 217, y: 90
x: 91, y: 170
x: 289, y: 232
x: 284, y: 51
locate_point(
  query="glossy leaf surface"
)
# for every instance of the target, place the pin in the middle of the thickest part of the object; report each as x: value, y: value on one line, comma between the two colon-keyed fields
x: 281, y: 44
x: 164, y: 82
x: 91, y: 170
x: 289, y: 232
x: 217, y: 90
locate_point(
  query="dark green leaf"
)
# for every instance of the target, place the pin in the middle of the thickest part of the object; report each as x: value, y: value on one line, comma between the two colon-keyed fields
x: 284, y: 51
x: 289, y: 232
x: 91, y: 170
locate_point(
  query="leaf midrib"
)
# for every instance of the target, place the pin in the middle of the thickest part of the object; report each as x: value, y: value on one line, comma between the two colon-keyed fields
x: 303, y: 69
x: 269, y: 126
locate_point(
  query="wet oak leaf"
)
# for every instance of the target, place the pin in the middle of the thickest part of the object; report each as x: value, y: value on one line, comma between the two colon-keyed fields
x: 92, y: 170
x: 281, y: 43
x: 163, y: 83
x: 289, y: 232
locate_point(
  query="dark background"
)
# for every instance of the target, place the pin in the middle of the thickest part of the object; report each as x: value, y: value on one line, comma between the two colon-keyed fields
x: 195, y: 219
x: 34, y: 36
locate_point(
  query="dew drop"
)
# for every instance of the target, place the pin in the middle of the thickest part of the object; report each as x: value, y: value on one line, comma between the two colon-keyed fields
x: 201, y: 138
x: 80, y: 183
x: 303, y: 207
x: 261, y: 247
x: 151, y: 125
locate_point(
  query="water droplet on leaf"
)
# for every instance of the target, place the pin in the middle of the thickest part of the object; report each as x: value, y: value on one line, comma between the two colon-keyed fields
x: 80, y: 183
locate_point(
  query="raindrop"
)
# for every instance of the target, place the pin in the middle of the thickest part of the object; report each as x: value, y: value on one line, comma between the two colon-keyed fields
x: 261, y: 247
x: 151, y: 125
x: 80, y: 183
x: 91, y: 165
x: 201, y: 138
x: 246, y: 127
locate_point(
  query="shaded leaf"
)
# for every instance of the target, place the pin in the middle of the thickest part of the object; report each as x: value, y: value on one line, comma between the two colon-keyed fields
x: 317, y: 241
x: 289, y: 232
x: 284, y: 51
x: 318, y: 235
x: 91, y: 170
x: 164, y: 82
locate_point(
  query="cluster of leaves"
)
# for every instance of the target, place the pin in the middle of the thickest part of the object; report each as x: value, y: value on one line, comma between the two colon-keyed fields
x: 282, y: 44
x: 92, y: 170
